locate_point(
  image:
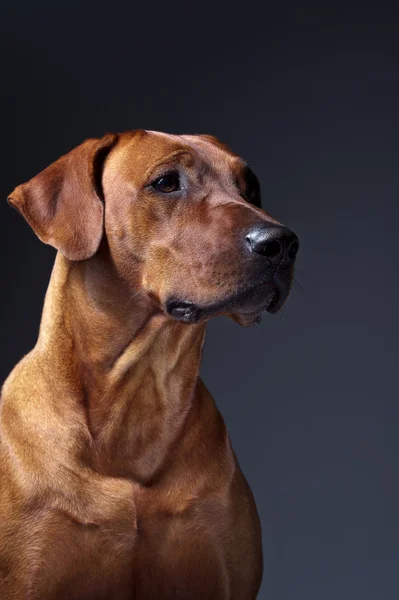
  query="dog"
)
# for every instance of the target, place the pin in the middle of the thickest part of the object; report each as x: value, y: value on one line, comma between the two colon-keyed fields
x: 117, y: 476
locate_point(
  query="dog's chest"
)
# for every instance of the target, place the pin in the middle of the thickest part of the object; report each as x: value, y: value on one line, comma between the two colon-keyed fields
x: 156, y: 556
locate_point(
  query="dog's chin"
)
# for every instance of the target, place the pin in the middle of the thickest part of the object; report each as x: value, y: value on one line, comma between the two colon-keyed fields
x: 247, y: 320
x: 248, y: 316
x: 245, y: 308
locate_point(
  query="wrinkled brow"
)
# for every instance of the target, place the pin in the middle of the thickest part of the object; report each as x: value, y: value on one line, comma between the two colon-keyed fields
x: 173, y: 156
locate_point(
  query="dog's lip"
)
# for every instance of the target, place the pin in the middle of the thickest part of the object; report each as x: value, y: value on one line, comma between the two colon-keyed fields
x: 182, y: 310
x: 190, y: 312
x: 274, y: 301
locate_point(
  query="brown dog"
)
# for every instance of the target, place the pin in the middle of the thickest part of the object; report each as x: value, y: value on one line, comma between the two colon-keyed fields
x: 117, y: 476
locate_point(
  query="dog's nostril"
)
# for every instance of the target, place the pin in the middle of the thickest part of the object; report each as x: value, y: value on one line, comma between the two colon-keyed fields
x: 277, y: 243
x: 293, y: 250
x: 272, y: 249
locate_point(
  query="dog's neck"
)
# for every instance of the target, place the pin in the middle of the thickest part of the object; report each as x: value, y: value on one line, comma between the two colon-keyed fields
x: 135, y: 370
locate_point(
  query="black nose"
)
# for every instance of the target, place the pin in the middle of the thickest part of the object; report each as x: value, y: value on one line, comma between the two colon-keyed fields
x: 275, y: 242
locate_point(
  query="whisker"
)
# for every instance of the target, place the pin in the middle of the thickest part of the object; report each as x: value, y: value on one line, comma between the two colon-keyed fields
x: 131, y: 298
x: 299, y: 288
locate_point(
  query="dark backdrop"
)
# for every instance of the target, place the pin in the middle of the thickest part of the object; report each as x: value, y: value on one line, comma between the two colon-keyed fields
x: 310, y: 97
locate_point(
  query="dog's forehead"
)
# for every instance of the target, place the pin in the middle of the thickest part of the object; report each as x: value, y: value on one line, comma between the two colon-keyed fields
x: 138, y: 150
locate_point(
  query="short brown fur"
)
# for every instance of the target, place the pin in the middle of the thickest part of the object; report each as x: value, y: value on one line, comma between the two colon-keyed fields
x: 117, y: 475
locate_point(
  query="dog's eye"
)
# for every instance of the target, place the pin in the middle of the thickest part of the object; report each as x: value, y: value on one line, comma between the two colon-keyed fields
x: 168, y: 183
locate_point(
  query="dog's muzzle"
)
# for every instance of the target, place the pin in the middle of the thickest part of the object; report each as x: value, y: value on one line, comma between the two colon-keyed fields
x: 271, y: 252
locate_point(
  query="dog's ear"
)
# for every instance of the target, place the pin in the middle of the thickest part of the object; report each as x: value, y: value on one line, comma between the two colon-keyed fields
x: 63, y: 204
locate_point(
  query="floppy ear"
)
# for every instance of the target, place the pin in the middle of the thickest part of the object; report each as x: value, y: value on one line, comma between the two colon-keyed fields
x: 63, y: 204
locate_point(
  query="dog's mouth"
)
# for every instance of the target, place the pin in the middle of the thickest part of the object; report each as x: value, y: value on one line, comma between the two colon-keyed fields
x: 182, y: 311
x: 252, y: 301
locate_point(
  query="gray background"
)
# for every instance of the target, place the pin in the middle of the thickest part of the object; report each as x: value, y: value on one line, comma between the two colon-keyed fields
x: 309, y: 95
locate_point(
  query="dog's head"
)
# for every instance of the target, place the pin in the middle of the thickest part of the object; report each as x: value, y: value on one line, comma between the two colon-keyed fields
x: 181, y: 216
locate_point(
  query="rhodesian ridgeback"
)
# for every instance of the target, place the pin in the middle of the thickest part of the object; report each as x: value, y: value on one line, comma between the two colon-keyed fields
x: 117, y: 476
